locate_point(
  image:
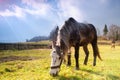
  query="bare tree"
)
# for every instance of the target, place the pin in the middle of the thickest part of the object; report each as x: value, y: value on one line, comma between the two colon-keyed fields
x: 114, y: 32
x: 98, y: 31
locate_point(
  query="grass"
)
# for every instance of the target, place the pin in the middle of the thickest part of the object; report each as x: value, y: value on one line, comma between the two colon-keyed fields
x: 35, y: 65
x: 39, y: 42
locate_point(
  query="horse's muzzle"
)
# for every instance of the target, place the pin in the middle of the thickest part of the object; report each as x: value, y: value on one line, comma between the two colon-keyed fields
x: 54, y: 74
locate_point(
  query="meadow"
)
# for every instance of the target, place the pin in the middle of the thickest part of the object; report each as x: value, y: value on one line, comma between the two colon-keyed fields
x: 35, y: 65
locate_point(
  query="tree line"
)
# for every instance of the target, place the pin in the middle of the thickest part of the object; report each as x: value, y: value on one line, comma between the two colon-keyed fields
x: 112, y: 33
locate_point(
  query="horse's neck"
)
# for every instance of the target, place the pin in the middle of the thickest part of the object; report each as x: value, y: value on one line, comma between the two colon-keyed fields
x: 62, y: 42
x: 58, y: 41
x: 53, y: 44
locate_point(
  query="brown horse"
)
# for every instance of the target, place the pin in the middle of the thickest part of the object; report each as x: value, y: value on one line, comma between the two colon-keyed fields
x: 73, y: 34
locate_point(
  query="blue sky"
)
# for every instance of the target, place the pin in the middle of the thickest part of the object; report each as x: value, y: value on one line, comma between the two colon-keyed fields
x: 24, y: 19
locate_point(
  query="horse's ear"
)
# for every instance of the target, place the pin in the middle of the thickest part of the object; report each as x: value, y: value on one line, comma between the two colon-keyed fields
x: 66, y: 22
x: 57, y: 28
x: 58, y: 48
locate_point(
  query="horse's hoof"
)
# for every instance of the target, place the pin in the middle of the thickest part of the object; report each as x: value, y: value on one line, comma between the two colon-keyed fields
x: 94, y: 64
x: 77, y: 68
x: 68, y: 65
x: 85, y: 63
x: 64, y: 62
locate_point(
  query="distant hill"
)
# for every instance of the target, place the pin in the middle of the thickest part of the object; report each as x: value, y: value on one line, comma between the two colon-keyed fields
x: 38, y: 38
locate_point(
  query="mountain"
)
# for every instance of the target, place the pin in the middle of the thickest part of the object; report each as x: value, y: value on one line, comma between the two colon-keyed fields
x: 38, y: 38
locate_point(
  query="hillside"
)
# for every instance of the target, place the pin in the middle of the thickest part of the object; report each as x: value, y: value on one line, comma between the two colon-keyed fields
x: 38, y: 38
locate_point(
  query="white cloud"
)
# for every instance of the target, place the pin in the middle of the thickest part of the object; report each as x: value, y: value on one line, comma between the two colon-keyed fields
x: 39, y: 7
x: 70, y: 8
x: 42, y: 8
x: 37, y: 4
x: 17, y: 12
x: 33, y: 7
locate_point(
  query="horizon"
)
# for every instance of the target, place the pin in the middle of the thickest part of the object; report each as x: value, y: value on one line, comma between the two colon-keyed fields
x: 25, y: 19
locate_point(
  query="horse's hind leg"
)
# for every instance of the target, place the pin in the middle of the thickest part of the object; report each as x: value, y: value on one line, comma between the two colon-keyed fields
x: 86, y: 54
x: 95, y: 52
x: 77, y: 56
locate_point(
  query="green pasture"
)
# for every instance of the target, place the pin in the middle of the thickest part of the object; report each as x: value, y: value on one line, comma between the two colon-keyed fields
x: 35, y: 65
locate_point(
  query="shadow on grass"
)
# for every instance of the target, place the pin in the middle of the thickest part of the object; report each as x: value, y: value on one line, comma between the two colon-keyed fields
x: 70, y: 78
x: 113, y: 77
x: 109, y: 76
x: 13, y: 58
x: 93, y: 72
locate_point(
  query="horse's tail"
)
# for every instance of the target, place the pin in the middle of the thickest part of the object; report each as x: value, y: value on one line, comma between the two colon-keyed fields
x: 99, y: 56
x: 94, y: 42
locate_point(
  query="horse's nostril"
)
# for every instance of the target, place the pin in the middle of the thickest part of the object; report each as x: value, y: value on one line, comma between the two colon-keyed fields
x: 53, y: 74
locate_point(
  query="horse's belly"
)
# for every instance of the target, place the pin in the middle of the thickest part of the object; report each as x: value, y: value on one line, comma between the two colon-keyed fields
x: 85, y: 40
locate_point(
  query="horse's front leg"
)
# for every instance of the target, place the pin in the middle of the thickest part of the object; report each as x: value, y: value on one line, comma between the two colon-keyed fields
x: 86, y: 54
x: 69, y: 58
x: 64, y: 58
x: 77, y: 57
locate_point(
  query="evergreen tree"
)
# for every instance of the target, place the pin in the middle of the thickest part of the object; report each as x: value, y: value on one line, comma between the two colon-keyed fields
x: 105, y: 30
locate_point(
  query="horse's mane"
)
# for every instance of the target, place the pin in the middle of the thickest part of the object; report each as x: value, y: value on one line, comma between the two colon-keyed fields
x: 54, y: 33
x: 64, y: 33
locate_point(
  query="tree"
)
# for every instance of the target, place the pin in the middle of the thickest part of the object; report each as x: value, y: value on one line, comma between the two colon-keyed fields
x: 98, y: 31
x: 114, y: 32
x: 27, y: 40
x: 105, y: 30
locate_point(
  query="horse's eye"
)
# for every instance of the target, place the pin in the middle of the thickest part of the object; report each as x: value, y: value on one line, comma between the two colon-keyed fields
x: 54, y: 51
x: 59, y: 57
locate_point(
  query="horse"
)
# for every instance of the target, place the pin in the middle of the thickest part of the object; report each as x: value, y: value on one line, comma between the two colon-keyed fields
x: 113, y: 43
x: 75, y: 34
x: 53, y: 38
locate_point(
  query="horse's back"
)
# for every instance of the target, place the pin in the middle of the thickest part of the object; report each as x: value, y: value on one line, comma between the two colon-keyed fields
x: 73, y: 32
x: 87, y: 33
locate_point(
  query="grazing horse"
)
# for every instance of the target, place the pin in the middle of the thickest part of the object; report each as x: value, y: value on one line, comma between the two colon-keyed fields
x: 75, y: 34
x: 113, y: 44
x: 53, y: 38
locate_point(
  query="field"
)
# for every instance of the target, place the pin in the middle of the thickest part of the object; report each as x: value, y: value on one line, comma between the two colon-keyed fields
x: 35, y: 65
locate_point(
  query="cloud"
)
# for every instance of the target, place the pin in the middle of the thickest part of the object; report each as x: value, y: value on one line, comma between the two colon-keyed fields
x: 70, y: 8
x: 17, y: 12
x: 60, y: 10
x: 37, y: 4
x: 33, y: 7
x: 37, y: 7
x: 44, y: 8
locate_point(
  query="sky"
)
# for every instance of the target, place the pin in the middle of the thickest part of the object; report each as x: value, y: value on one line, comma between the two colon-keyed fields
x: 25, y: 19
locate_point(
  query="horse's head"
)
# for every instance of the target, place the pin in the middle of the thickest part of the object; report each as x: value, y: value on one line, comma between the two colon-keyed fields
x: 57, y: 57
